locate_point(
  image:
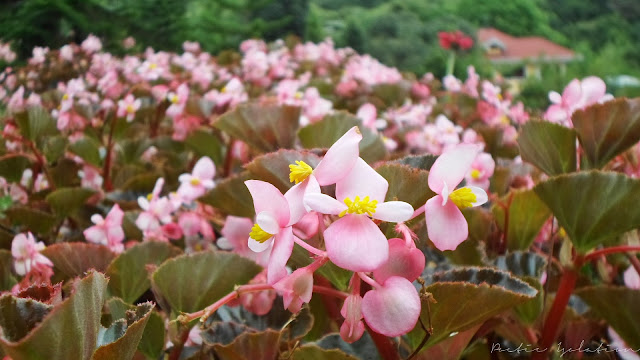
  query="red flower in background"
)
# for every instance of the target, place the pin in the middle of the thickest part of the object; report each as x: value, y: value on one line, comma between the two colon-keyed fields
x: 455, y: 39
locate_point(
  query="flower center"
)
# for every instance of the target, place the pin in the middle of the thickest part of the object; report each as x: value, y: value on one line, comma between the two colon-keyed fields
x: 223, y: 90
x: 298, y: 95
x: 358, y: 206
x: 65, y: 97
x: 463, y: 197
x: 153, y: 66
x: 130, y: 109
x: 174, y: 98
x: 194, y: 181
x: 299, y: 172
x: 258, y: 234
x: 475, y: 173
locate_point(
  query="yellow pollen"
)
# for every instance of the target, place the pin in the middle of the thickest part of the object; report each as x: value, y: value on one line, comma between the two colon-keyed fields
x: 195, y: 181
x: 130, y: 109
x: 298, y: 95
x: 153, y: 66
x: 299, y: 172
x: 463, y: 197
x: 223, y: 90
x: 258, y: 234
x: 357, y: 206
x: 174, y: 99
x: 504, y: 119
x: 65, y: 97
x: 475, y: 173
x: 149, y: 197
x: 499, y: 96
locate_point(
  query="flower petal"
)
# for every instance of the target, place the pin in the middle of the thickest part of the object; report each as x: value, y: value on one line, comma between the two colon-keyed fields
x: 259, y: 247
x: 393, y: 211
x: 267, y: 222
x: 593, y: 88
x: 572, y: 93
x: 347, y: 238
x: 267, y: 197
x: 404, y: 261
x: 362, y: 181
x: 324, y: 204
x: 339, y: 159
x: 393, y: 309
x: 446, y: 226
x: 204, y: 169
x: 280, y: 254
x: 481, y: 195
x: 452, y: 166
x: 295, y: 197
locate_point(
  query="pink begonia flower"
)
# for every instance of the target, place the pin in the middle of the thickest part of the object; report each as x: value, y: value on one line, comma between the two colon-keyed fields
x: 38, y: 55
x: 576, y: 95
x: 420, y: 91
x: 178, y: 101
x: 26, y: 253
x: 91, y: 178
x: 107, y: 231
x: 273, y: 226
x: 191, y: 46
x: 631, y: 278
x: 368, y: 114
x: 128, y: 42
x: 393, y: 309
x: 352, y: 327
x: 359, y: 196
x: 234, y: 237
x: 405, y: 260
x: 91, y: 44
x: 194, y: 185
x: 335, y: 165
x: 296, y: 289
x: 183, y: 125
x: 451, y: 83
x: 156, y: 211
x: 481, y: 170
x: 193, y: 224
x: 446, y: 226
x: 259, y: 302
x: 128, y: 106
x: 232, y: 94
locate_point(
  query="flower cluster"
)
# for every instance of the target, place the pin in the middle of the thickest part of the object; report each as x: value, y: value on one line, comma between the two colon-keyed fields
x: 455, y: 39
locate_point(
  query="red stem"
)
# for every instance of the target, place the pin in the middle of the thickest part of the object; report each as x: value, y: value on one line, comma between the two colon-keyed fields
x: 325, y: 290
x: 385, y: 346
x: 552, y: 322
x: 106, y: 170
x: 610, y: 250
x: 228, y: 160
x: 42, y: 163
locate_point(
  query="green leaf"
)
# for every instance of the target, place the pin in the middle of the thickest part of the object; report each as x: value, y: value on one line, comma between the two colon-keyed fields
x: 550, y: 147
x: 32, y: 219
x: 274, y: 167
x: 265, y: 127
x: 606, y: 130
x: 422, y: 162
x: 191, y: 282
x: 54, y: 147
x: 73, y: 259
x: 406, y: 184
x: 5, y: 203
x: 65, y: 173
x: 35, y: 122
x: 313, y: 352
x: 88, y: 149
x: 205, y: 143
x: 124, y: 346
x: 522, y: 264
x: 152, y: 342
x: 338, y: 276
x: 231, y: 196
x: 592, y: 206
x: 527, y: 214
x: 65, y: 201
x: 468, y: 297
x: 619, y: 307
x: 450, y: 348
x: 128, y: 276
x: 327, y: 131
x: 12, y: 166
x: 223, y: 333
x: 254, y: 346
x: 363, y: 348
x: 392, y: 94
x: 70, y: 330
x: 19, y: 316
x: 7, y: 280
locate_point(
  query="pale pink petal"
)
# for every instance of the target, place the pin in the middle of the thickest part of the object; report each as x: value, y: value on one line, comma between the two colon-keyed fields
x: 21, y: 267
x: 204, y: 169
x: 631, y: 278
x: 355, y: 243
x: 267, y: 222
x: 554, y: 97
x: 308, y: 225
x: 324, y: 204
x: 393, y: 211
x: 143, y: 203
x: 41, y: 259
x: 593, y: 88
x: 446, y: 226
x: 572, y: 93
x: 351, y: 332
x: 97, y: 219
x: 96, y: 234
x: 18, y: 245
x: 368, y: 114
x: 452, y: 166
x: 280, y: 254
x: 556, y: 114
x: 362, y: 181
x: 295, y: 197
x: 481, y: 195
x: 259, y: 247
x: 235, y: 230
x: 393, y: 309
x: 146, y: 221
x: 339, y: 159
x: 403, y: 261
x: 267, y: 197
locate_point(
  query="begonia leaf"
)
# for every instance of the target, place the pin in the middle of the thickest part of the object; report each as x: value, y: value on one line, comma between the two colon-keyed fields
x: 231, y: 196
x: 314, y: 352
x: 71, y: 259
x: 32, y: 219
x: 274, y: 167
x: 128, y: 276
x: 191, y: 282
x: 204, y: 143
x: 70, y: 330
x: 35, y: 123
x: 619, y: 307
x: 125, y: 343
x: 550, y: 147
x: 467, y: 297
x: 264, y: 126
x: 327, y: 131
x: 593, y: 207
x: 18, y: 316
x: 88, y: 149
x: 406, y: 184
x: 65, y: 201
x: 12, y: 166
x: 526, y: 215
x: 422, y: 162
x: 606, y: 130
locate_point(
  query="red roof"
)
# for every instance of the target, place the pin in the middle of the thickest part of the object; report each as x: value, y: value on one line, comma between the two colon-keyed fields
x: 517, y: 49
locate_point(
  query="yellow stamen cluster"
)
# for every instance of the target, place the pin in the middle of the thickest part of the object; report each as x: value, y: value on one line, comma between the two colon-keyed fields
x: 223, y: 90
x: 130, y: 109
x: 149, y: 196
x: 174, y: 99
x: 258, y: 234
x: 463, y: 197
x: 358, y: 206
x: 65, y: 97
x: 475, y: 173
x: 298, y: 95
x: 152, y: 66
x: 194, y: 181
x: 299, y: 172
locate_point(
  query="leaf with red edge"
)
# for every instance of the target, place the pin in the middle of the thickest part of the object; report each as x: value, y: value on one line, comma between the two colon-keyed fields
x: 450, y: 348
x: 18, y: 316
x: 70, y: 330
x: 12, y: 166
x: 123, y: 343
x: 265, y: 126
x: 527, y: 214
x: 606, y: 130
x: 231, y: 196
x: 406, y: 184
x: 44, y: 293
x: 72, y: 259
x: 550, y: 147
x: 274, y: 167
x: 254, y: 346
